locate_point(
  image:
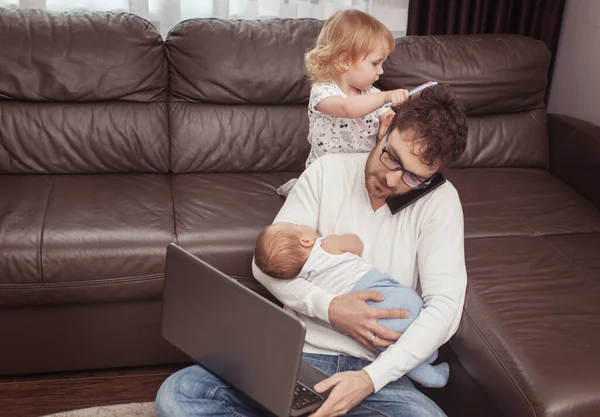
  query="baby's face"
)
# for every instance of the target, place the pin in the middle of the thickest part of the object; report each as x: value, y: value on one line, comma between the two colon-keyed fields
x: 301, y: 230
x: 306, y: 231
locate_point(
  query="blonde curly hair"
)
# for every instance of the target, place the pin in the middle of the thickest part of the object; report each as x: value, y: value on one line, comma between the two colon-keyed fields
x: 347, y: 34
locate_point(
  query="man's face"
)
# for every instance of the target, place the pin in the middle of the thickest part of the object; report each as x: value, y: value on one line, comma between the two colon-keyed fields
x: 383, y: 183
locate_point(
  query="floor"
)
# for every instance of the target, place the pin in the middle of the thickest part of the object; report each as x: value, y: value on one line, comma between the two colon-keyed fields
x: 38, y: 395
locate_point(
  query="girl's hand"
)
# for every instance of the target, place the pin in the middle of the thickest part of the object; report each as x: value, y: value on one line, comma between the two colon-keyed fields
x: 396, y: 97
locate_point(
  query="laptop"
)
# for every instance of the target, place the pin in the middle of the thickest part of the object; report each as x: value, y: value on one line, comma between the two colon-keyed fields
x: 241, y: 337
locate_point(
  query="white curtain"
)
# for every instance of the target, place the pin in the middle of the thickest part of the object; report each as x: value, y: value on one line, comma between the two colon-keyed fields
x: 165, y: 14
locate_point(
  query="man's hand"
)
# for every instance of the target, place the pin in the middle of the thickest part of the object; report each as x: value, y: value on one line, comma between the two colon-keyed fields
x: 349, y: 389
x: 351, y: 314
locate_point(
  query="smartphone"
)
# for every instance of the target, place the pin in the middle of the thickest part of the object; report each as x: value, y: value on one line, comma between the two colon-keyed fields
x: 399, y: 202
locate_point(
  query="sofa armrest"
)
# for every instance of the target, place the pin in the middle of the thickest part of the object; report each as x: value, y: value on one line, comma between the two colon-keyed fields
x: 575, y: 154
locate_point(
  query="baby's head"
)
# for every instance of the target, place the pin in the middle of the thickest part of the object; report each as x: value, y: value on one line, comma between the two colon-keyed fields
x: 283, y: 248
x: 349, y: 37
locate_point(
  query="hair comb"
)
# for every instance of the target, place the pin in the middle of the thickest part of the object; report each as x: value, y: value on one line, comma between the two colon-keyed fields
x: 416, y: 90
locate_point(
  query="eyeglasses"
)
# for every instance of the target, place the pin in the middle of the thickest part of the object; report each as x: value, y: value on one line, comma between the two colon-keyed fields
x: 393, y: 164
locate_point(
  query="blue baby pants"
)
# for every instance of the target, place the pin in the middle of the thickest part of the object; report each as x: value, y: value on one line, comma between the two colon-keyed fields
x: 404, y: 298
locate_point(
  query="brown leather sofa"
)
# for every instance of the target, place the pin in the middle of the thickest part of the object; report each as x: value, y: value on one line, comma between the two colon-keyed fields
x: 114, y: 143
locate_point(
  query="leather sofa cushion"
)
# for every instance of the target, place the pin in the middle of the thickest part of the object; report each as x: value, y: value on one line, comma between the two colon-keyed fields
x: 81, y: 94
x: 79, y: 239
x: 575, y: 152
x: 530, y: 333
x: 219, y: 216
x: 247, y: 138
x: 506, y: 140
x: 244, y: 138
x: 240, y: 62
x: 520, y: 202
x: 490, y: 73
x: 90, y: 138
x: 82, y: 57
x: 235, y: 91
x: 22, y: 214
x: 583, y: 250
x: 86, y: 238
x: 502, y: 81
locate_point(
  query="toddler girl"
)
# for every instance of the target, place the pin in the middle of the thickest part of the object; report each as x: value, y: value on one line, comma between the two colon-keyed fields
x: 344, y: 109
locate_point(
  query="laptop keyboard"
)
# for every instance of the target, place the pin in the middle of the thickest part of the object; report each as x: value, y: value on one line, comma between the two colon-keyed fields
x: 304, y: 397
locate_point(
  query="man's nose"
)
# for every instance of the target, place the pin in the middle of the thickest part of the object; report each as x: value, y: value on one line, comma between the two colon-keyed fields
x: 393, y: 178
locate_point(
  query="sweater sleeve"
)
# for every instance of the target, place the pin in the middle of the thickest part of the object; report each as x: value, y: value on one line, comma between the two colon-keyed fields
x: 301, y: 207
x: 443, y: 279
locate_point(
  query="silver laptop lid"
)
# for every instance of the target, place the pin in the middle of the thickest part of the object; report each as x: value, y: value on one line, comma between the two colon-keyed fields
x: 246, y: 340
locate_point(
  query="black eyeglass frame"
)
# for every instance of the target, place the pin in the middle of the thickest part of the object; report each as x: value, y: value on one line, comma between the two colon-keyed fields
x: 419, y: 184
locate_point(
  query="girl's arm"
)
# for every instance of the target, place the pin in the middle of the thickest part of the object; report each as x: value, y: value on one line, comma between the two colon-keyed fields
x: 361, y: 105
x: 352, y: 107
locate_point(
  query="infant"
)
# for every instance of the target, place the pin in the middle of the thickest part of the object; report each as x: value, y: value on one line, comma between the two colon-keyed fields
x: 334, y: 263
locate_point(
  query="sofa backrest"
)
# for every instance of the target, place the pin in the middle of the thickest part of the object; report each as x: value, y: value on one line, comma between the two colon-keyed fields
x: 502, y: 81
x: 87, y: 93
x: 81, y: 93
x: 239, y: 94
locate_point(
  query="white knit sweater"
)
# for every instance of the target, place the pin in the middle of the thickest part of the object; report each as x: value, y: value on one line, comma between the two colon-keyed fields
x: 421, y: 246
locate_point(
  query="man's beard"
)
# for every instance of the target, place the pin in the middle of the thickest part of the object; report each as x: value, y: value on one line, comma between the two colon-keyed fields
x: 373, y: 186
x: 376, y: 186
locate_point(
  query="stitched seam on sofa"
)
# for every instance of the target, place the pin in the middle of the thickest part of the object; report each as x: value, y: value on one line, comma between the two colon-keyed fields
x: 166, y: 102
x: 466, y: 314
x: 81, y: 283
x: 245, y: 279
x: 533, y: 233
x: 571, y: 261
x: 42, y: 232
x: 171, y: 177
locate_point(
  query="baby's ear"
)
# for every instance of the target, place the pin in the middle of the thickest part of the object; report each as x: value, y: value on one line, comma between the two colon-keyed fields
x: 306, y: 241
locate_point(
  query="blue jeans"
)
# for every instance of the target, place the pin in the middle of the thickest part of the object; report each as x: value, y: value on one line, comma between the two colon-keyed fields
x: 194, y: 392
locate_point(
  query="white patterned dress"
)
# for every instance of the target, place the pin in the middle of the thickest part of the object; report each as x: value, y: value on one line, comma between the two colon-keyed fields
x: 330, y: 134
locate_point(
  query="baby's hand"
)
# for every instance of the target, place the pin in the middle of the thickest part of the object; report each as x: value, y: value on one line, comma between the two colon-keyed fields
x: 352, y: 243
x: 396, y: 97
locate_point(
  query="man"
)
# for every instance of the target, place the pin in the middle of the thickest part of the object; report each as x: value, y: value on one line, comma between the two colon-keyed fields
x: 422, y: 244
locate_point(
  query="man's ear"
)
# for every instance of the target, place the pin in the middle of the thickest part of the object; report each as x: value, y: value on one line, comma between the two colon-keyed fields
x: 385, y: 124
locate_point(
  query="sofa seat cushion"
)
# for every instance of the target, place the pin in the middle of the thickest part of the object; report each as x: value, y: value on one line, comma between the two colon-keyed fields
x: 83, y: 238
x: 219, y: 216
x: 520, y: 202
x: 530, y: 332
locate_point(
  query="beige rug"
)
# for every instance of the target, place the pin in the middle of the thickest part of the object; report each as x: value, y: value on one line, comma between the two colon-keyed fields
x: 122, y: 410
